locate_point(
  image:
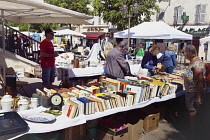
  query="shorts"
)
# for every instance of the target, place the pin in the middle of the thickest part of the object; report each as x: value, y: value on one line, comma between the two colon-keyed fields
x: 48, y: 75
x: 189, y: 101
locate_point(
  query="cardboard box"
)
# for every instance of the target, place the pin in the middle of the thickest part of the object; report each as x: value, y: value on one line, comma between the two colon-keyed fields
x: 29, y: 70
x: 19, y: 70
x: 106, y: 134
x: 135, y: 130
x: 151, y: 122
x: 38, y: 71
x: 76, y: 132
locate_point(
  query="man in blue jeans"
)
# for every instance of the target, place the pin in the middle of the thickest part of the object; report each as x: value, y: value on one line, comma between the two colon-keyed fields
x: 48, y: 55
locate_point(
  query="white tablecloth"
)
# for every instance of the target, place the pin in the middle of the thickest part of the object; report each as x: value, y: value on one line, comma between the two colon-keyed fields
x: 64, y: 73
x: 65, y: 122
x: 61, y: 122
x: 85, y: 72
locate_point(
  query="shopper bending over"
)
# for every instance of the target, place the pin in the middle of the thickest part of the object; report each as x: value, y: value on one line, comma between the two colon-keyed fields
x: 48, y: 55
x: 116, y: 66
x: 150, y: 60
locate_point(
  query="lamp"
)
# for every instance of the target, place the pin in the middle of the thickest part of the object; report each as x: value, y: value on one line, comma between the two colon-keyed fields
x: 124, y: 9
x: 127, y: 14
x: 135, y: 8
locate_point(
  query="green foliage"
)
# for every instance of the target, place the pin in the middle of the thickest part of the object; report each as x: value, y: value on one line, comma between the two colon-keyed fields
x: 75, y: 5
x: 111, y: 11
x: 34, y: 27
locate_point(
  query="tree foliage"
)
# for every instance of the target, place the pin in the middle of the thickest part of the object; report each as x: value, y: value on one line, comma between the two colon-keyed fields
x: 33, y: 27
x: 111, y: 11
x: 75, y: 5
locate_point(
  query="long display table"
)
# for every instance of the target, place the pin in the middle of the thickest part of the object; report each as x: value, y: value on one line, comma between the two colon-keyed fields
x: 63, y: 122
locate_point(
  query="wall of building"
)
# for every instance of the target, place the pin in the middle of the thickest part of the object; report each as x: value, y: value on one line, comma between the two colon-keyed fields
x: 197, y: 29
x: 189, y: 6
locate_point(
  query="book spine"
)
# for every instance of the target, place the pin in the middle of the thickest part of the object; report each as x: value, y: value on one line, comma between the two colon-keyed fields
x: 69, y: 111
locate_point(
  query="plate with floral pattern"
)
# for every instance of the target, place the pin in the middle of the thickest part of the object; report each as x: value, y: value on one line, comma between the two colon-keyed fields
x: 39, y: 117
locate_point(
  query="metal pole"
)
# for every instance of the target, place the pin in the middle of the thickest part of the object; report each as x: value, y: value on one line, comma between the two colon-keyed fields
x: 28, y: 29
x: 3, y: 46
x: 129, y: 25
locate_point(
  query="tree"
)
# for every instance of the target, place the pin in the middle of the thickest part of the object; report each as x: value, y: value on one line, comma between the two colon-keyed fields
x: 75, y: 5
x: 111, y: 11
x: 34, y: 27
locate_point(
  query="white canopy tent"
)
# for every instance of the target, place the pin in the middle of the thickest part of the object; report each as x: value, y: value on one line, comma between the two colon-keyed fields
x: 68, y: 32
x: 202, y: 50
x: 205, y: 40
x: 31, y: 11
x: 153, y: 30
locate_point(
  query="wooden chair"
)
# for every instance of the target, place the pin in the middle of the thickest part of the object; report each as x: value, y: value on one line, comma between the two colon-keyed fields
x: 19, y: 84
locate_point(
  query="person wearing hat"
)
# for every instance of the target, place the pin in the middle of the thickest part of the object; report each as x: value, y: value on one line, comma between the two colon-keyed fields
x: 47, y: 55
x: 116, y: 66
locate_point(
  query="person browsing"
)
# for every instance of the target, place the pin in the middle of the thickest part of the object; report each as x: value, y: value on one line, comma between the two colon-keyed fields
x: 47, y: 55
x: 194, y: 84
x: 150, y: 60
x: 169, y: 59
x: 116, y: 66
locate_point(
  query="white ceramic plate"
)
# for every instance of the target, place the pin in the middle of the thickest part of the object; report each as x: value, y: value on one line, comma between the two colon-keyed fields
x: 40, y: 117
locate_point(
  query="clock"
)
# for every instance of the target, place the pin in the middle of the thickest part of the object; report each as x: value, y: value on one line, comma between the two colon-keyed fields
x: 56, y: 102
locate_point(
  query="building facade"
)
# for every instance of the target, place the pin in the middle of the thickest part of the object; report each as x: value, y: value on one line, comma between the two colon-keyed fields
x: 172, y: 12
x: 189, y: 16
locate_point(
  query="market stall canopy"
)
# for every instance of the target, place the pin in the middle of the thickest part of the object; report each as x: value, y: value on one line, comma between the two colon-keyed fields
x: 205, y: 40
x: 31, y: 11
x: 68, y: 32
x: 93, y: 35
x: 153, y: 30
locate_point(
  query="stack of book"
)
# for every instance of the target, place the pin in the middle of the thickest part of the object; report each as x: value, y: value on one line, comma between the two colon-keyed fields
x: 87, y: 99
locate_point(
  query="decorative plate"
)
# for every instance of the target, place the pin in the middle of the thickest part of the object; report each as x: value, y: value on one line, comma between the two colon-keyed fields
x: 40, y: 117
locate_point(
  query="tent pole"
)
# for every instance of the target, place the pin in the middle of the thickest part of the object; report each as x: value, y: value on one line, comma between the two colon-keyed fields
x: 3, y: 46
x: 129, y: 26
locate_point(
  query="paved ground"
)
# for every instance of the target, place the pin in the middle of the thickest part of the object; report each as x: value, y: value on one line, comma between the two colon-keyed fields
x: 33, y: 83
x: 165, y: 131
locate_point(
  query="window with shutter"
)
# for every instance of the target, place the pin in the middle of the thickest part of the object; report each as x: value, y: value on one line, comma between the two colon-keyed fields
x: 179, y: 15
x: 202, y: 13
x: 197, y: 17
x: 175, y: 15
